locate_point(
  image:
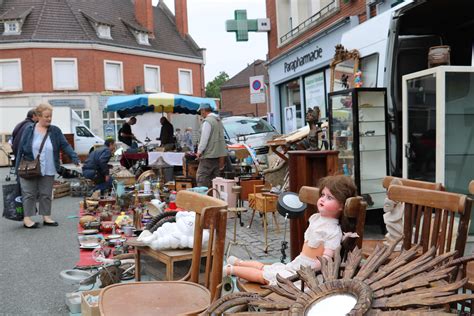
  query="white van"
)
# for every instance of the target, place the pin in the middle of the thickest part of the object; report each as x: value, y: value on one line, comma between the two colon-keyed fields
x: 396, y: 43
x: 70, y: 123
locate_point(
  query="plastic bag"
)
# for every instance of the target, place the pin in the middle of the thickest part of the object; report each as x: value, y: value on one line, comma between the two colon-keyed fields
x: 12, y: 204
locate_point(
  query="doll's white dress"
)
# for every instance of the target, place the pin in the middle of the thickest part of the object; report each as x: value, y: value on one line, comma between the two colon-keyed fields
x: 321, y: 230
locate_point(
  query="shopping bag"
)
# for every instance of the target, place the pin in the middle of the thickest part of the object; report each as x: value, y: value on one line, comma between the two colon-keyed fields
x: 12, y: 204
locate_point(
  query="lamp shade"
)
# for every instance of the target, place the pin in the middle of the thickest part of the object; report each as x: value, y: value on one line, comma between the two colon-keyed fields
x: 289, y: 204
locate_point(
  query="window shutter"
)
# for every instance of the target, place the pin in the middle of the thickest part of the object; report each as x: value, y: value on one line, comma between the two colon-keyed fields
x: 65, y: 74
x: 113, y: 77
x: 151, y: 79
x: 10, y: 75
x: 185, y: 82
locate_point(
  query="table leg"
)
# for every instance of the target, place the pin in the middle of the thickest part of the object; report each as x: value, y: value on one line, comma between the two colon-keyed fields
x: 137, y: 265
x: 265, y: 229
x: 169, y: 271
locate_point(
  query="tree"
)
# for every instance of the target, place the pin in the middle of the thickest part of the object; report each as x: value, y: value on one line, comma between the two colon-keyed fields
x: 213, y: 88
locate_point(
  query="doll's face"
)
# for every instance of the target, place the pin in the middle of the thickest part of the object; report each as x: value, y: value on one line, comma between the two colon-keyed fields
x: 328, y: 205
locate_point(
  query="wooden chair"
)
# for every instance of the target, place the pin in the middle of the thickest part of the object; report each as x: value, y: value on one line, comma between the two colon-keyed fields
x: 429, y: 218
x: 467, y: 307
x: 355, y: 208
x: 264, y: 202
x: 413, y: 183
x: 369, y: 245
x: 186, y: 295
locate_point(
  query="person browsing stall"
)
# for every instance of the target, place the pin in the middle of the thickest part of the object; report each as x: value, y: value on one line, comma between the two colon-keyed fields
x: 40, y: 189
x: 125, y: 134
x: 326, y: 230
x: 167, y: 134
x: 31, y: 118
x: 212, y: 149
x: 96, y: 166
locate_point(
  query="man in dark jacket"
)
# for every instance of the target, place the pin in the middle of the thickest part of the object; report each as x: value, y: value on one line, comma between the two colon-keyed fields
x: 96, y: 166
x: 20, y: 127
x: 125, y: 134
x: 167, y: 134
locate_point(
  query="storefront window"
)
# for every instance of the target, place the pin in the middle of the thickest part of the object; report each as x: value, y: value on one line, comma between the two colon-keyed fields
x: 315, y: 92
x: 369, y: 68
x: 293, y: 117
x: 112, y: 123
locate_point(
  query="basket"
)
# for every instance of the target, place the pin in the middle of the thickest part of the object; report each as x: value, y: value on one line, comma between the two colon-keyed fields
x: 126, y: 180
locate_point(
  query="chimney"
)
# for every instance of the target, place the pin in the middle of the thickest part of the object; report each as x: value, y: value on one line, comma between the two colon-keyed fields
x: 181, y: 16
x: 144, y: 14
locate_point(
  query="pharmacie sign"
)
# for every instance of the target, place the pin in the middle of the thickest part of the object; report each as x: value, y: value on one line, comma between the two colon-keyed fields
x: 300, y: 61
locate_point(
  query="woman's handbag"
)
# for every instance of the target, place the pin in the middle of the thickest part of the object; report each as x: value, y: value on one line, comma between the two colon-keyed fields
x: 29, y: 169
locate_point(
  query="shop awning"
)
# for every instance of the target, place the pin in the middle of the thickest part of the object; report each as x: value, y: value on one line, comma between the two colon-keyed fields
x: 130, y: 105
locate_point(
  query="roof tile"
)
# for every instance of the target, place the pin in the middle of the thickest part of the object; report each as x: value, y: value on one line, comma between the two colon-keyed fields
x: 64, y: 21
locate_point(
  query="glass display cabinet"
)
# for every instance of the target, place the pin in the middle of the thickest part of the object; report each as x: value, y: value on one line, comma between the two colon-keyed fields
x: 438, y: 126
x: 358, y: 131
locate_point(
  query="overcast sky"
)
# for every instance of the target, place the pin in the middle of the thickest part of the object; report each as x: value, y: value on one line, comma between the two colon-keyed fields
x: 207, y: 27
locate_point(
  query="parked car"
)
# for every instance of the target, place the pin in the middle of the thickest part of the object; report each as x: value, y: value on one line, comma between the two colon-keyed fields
x: 253, y: 131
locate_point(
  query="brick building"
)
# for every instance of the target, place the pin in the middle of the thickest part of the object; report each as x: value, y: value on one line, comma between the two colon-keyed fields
x: 235, y: 92
x: 300, y: 48
x: 76, y: 53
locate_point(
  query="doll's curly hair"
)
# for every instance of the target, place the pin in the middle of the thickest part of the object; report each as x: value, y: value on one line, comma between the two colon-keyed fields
x: 342, y: 187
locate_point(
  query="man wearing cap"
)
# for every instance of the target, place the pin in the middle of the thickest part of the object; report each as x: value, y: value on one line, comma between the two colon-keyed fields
x: 212, y: 149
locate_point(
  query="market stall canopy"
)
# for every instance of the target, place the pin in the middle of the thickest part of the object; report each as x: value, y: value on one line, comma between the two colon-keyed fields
x: 130, y: 105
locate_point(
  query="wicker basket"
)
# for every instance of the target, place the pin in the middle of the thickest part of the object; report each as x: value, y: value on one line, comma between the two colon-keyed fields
x: 126, y: 180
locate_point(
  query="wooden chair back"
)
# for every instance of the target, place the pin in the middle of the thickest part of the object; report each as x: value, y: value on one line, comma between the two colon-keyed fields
x: 211, y: 214
x: 434, y: 223
x: 413, y: 183
x: 354, y: 208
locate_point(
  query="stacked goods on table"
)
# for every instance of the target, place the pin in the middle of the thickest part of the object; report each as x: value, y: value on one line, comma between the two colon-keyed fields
x: 82, y: 187
x: 61, y: 188
x: 124, y: 176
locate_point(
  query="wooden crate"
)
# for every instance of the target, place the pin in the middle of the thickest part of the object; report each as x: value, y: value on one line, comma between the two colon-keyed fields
x: 183, y: 183
x: 61, y: 189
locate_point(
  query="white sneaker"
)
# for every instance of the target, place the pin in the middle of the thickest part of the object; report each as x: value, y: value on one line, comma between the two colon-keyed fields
x: 232, y: 260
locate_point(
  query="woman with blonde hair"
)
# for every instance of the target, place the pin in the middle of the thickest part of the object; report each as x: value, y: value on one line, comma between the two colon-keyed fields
x: 40, y: 189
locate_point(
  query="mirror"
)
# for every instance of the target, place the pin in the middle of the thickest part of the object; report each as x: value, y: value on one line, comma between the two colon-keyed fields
x: 335, y: 305
x: 343, y: 68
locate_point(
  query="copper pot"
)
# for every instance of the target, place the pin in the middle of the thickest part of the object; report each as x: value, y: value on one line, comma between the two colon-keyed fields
x: 107, y: 226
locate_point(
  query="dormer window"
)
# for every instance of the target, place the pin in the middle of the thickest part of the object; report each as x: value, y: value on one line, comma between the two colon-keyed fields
x: 13, y: 20
x: 142, y: 38
x: 12, y: 28
x: 103, y: 31
x: 101, y: 26
x: 141, y: 34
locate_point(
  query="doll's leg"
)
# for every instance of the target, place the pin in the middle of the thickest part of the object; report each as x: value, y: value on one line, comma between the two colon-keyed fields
x: 249, y: 264
x: 234, y: 261
x: 247, y: 273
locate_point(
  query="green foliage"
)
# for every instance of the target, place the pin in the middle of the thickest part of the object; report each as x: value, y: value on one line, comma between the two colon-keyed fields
x: 213, y: 88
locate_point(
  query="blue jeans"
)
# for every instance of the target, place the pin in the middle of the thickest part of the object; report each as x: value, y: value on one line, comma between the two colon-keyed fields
x: 103, y: 186
x: 99, y: 180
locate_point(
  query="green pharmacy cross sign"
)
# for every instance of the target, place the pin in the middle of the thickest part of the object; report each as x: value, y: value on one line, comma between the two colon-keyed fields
x: 242, y: 26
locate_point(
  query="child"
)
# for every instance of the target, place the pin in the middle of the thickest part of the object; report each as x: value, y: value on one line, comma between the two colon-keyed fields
x: 322, y: 237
